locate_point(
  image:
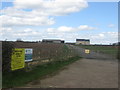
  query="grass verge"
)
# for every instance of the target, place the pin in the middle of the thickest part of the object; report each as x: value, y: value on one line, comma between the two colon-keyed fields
x: 21, y: 78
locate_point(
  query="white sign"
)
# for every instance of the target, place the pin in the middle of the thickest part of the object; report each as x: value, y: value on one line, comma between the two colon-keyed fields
x: 28, y: 54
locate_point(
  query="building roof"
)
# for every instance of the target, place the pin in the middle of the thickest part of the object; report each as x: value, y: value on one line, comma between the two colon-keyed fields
x: 82, y: 40
x: 52, y: 40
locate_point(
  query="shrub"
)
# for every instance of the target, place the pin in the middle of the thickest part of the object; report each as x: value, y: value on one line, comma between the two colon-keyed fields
x: 6, y: 55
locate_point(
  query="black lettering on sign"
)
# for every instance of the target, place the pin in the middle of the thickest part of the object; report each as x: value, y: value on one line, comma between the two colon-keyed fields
x: 18, y: 54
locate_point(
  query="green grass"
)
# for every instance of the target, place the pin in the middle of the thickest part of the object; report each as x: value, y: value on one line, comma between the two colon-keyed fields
x: 111, y: 50
x: 21, y: 78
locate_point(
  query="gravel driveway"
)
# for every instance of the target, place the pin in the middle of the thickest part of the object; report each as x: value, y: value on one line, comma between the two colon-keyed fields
x: 84, y: 73
x: 94, y: 70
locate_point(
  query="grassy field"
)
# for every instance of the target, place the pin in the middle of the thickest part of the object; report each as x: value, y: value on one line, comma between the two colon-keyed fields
x: 21, y: 78
x: 111, y: 50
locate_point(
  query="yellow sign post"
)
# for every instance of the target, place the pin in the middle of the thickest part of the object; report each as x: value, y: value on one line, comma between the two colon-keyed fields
x: 87, y: 51
x: 18, y: 58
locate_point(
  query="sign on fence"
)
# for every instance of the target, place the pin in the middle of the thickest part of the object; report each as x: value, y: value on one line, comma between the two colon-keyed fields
x: 18, y: 58
x: 87, y: 51
x: 28, y: 55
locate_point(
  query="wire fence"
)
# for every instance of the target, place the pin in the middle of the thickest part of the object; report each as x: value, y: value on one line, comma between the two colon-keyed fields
x: 42, y: 53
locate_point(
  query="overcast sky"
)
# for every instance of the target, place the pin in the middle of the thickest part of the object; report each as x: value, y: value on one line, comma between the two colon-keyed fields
x: 33, y: 20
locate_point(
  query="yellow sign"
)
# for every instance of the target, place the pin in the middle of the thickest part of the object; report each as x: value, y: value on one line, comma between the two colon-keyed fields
x: 18, y: 58
x: 87, y: 51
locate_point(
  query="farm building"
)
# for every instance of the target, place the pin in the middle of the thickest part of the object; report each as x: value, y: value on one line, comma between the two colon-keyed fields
x: 52, y: 41
x: 83, y: 41
x: 118, y: 43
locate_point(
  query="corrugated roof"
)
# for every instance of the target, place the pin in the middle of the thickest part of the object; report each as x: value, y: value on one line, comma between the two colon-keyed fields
x: 82, y: 40
x: 52, y: 40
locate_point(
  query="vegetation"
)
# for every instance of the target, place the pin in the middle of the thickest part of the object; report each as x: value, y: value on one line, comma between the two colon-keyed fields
x: 58, y: 55
x: 6, y: 55
x: 20, y: 77
x: 42, y: 51
x: 65, y: 53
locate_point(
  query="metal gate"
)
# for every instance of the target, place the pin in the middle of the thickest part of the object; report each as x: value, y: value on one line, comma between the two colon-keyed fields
x: 86, y: 53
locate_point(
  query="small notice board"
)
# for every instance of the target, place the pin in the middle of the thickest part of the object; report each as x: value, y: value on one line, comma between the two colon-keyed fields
x: 18, y: 59
x: 28, y: 54
x: 87, y: 51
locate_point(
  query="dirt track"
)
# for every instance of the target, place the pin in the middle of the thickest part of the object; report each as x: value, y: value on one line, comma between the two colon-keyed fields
x: 85, y: 73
